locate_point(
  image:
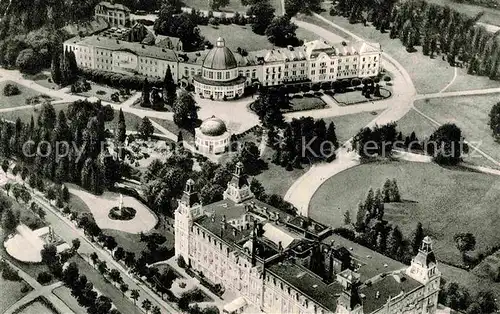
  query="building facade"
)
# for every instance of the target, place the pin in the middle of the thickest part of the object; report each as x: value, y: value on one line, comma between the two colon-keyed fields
x: 212, y: 137
x: 284, y: 264
x: 220, y: 73
x: 115, y: 14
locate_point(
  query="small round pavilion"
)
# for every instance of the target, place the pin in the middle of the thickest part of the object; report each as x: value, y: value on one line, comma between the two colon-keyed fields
x: 220, y: 78
x: 212, y: 137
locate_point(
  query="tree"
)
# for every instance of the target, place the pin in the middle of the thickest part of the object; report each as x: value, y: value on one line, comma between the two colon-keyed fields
x: 465, y: 242
x: 146, y: 90
x: 5, y: 166
x: 394, y: 242
x: 331, y: 135
x: 418, y: 237
x: 487, y: 301
x: 55, y: 68
x: 10, y: 220
x: 75, y: 244
x: 263, y: 14
x: 387, y: 191
x: 347, y: 218
x: 446, y: 145
x: 495, y: 120
x: 146, y: 305
x: 49, y: 254
x: 156, y: 310
x: 102, y: 267
x: 360, y: 217
x: 257, y: 188
x: 396, y: 197
x: 134, y: 294
x: 169, y: 89
x: 94, y: 258
x: 71, y: 274
x: 146, y: 128
x: 119, y: 253
x: 123, y: 288
x: 121, y: 133
x: 28, y: 61
x: 115, y: 276
x: 217, y: 4
x: 185, y: 110
x: 281, y: 32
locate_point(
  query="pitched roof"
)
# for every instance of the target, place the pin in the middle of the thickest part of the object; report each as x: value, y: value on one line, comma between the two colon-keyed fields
x: 114, y: 6
x: 121, y: 45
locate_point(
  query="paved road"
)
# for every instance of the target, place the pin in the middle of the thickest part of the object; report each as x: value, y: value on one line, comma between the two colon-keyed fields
x: 402, y: 101
x: 38, y: 291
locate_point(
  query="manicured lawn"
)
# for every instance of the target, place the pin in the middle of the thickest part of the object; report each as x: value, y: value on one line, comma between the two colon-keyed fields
x: 470, y: 113
x: 64, y: 293
x: 234, y: 6
x: 42, y: 79
x: 354, y: 96
x: 276, y: 179
x: 10, y: 292
x: 348, y: 125
x: 467, y: 279
x: 172, y: 127
x: 102, y: 92
x: 445, y: 201
x: 16, y: 100
x: 26, y: 113
x: 305, y: 103
x: 468, y: 82
x: 39, y: 306
x: 415, y: 122
x: 491, y: 16
x: 243, y: 36
x: 131, y: 121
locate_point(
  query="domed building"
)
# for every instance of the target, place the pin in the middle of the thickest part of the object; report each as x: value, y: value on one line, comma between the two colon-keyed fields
x: 212, y: 137
x: 219, y: 77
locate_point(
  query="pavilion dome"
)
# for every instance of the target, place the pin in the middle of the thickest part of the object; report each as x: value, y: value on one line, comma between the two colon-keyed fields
x: 220, y: 57
x: 213, y: 127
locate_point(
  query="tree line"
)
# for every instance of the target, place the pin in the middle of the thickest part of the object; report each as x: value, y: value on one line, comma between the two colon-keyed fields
x: 438, y: 29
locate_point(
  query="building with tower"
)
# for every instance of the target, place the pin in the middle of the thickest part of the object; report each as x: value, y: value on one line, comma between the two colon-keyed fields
x: 281, y: 263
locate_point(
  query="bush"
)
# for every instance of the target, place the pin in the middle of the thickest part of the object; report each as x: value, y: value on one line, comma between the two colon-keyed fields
x: 44, y: 277
x: 11, y: 90
x: 10, y: 274
x: 100, y: 92
x: 181, y: 262
x: 25, y: 288
x: 387, y: 78
x: 80, y: 86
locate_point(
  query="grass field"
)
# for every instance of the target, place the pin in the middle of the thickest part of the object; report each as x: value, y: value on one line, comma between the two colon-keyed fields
x: 491, y: 16
x: 305, y: 103
x: 108, y: 91
x: 234, y: 6
x: 16, y: 100
x: 64, y: 293
x: 470, y: 113
x: 39, y: 306
x: 445, y: 201
x: 26, y: 113
x: 347, y: 126
x: 172, y: 127
x: 355, y: 96
x: 464, y: 82
x: 10, y: 292
x: 131, y: 121
x: 42, y: 79
x: 243, y: 36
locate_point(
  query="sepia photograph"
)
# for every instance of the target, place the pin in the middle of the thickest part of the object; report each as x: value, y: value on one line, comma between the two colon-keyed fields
x: 249, y: 156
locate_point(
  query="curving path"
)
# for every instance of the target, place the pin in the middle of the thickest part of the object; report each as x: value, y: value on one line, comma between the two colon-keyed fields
x: 143, y: 221
x: 404, y: 95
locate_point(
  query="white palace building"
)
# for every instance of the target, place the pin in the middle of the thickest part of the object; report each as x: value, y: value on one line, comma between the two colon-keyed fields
x: 220, y: 73
x: 279, y: 263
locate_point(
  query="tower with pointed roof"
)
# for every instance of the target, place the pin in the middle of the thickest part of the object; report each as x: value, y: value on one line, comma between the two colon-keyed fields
x: 424, y: 269
x: 187, y: 211
x: 349, y: 301
x: 238, y: 189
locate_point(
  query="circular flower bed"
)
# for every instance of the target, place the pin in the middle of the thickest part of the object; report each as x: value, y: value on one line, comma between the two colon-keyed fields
x: 126, y: 213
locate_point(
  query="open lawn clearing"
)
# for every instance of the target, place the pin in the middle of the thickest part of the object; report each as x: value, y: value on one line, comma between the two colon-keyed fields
x: 122, y: 304
x: 469, y: 280
x: 276, y: 179
x: 131, y: 121
x: 415, y: 122
x: 132, y: 242
x: 102, y: 92
x: 26, y: 113
x: 174, y: 128
x: 301, y: 103
x: 465, y: 81
x: 42, y: 79
x: 490, y: 16
x: 418, y: 66
x: 348, y: 126
x: 17, y: 100
x: 445, y: 201
x: 10, y: 292
x: 242, y: 36
x: 64, y: 293
x: 234, y: 6
x: 470, y: 113
x: 354, y: 96
x: 39, y: 306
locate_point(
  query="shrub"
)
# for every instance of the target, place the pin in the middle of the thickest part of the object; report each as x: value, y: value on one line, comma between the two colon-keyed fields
x: 44, y: 277
x: 11, y: 90
x: 80, y: 86
x: 387, y: 78
x: 100, y: 92
x: 25, y: 288
x: 10, y: 274
x: 181, y: 262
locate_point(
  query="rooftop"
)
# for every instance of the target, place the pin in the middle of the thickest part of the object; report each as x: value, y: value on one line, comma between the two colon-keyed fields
x: 114, y: 6
x: 121, y: 45
x: 308, y: 283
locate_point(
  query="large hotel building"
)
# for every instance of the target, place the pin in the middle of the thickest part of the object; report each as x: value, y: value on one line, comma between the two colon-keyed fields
x: 280, y: 263
x: 220, y: 73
